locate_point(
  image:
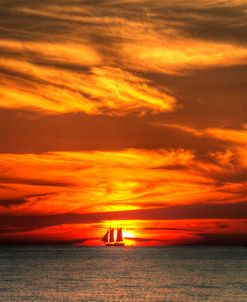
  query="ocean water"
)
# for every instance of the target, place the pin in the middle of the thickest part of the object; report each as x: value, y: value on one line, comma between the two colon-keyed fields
x: 123, y: 274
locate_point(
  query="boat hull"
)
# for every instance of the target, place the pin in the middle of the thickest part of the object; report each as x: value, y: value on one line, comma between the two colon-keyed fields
x: 115, y: 244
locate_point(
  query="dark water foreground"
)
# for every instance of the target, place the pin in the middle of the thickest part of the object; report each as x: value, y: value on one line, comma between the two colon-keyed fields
x: 123, y: 274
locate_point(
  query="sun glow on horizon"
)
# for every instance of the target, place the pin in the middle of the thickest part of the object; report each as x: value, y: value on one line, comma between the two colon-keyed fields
x: 128, y: 234
x: 129, y: 238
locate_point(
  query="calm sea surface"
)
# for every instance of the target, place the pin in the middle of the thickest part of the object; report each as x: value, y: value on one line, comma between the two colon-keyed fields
x: 123, y: 274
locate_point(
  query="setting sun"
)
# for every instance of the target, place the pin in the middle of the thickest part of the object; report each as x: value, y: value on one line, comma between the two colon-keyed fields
x: 128, y: 234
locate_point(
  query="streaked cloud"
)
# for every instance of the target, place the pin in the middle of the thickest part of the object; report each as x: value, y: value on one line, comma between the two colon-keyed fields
x: 90, y: 61
x: 102, y: 181
x: 234, y: 136
x: 238, y: 136
x: 96, y: 181
x: 177, y: 54
x: 104, y: 90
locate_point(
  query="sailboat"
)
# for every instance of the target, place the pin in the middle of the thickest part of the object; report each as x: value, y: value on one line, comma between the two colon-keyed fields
x: 109, y: 238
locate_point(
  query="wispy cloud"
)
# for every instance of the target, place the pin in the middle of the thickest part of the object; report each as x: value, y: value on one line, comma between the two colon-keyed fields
x: 234, y: 136
x: 88, y: 60
x: 103, y: 90
x: 112, y: 181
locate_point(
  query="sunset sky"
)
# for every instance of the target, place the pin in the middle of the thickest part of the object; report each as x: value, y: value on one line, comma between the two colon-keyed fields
x: 127, y: 113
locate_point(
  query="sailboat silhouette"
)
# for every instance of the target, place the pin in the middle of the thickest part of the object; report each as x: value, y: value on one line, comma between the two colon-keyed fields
x: 109, y: 238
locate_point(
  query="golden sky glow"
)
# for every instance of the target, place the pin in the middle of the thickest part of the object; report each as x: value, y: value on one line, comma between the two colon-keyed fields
x: 123, y: 113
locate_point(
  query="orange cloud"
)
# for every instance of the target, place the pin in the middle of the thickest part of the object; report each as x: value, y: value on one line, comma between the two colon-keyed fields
x: 229, y: 164
x: 107, y: 181
x: 98, y: 181
x: 229, y: 135
x: 69, y: 73
x: 169, y: 55
x: 81, y: 54
x: 237, y: 137
x: 104, y: 90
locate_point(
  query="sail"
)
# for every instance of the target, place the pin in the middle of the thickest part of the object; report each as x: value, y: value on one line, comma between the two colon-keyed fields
x: 119, y: 235
x: 111, y: 235
x: 105, y: 238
